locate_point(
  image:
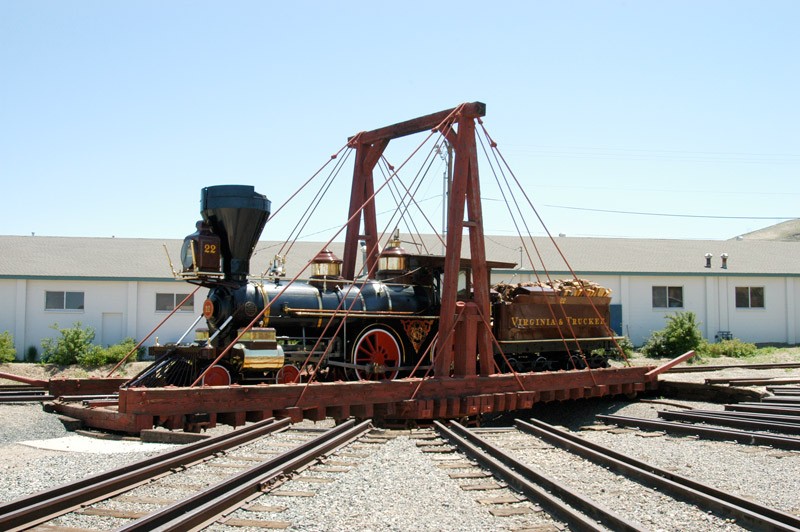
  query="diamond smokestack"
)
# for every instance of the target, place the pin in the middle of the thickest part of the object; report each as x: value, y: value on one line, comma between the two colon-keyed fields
x: 237, y: 214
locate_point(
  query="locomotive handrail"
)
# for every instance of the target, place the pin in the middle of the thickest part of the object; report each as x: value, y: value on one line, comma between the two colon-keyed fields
x: 359, y: 313
x: 543, y: 340
x: 348, y: 365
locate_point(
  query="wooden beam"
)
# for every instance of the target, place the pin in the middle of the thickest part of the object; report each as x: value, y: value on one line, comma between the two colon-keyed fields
x: 343, y: 395
x: 417, y: 125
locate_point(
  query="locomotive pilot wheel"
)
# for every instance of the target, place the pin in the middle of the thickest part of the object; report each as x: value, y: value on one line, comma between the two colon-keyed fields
x: 288, y: 374
x: 379, y: 350
x: 217, y: 376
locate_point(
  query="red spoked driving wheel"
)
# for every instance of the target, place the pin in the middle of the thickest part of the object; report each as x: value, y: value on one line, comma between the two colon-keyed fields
x: 378, y: 352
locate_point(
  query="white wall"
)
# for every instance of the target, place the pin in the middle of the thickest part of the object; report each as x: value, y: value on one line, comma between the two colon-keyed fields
x: 148, y: 318
x: 768, y: 324
x: 127, y: 308
x: 8, y: 309
x: 793, y: 288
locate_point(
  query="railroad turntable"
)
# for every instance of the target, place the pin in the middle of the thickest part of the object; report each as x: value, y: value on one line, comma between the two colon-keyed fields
x: 413, y: 336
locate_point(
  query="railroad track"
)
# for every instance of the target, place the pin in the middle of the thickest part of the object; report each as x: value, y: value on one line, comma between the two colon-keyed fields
x: 23, y: 393
x: 218, y: 474
x: 775, y: 421
x: 206, y: 489
x: 531, y: 462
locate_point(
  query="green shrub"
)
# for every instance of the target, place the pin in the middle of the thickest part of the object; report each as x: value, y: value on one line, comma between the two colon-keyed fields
x: 730, y: 348
x: 681, y: 334
x: 625, y: 345
x: 72, y: 344
x: 111, y: 355
x: 31, y: 354
x: 8, y: 353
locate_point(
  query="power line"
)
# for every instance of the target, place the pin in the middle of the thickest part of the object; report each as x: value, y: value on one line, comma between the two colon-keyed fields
x: 675, y: 215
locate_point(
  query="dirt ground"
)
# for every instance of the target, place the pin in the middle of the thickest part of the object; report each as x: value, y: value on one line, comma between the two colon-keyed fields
x: 50, y: 371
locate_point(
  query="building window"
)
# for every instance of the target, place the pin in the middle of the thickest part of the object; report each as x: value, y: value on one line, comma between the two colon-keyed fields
x: 167, y: 302
x: 63, y: 300
x: 667, y: 297
x: 749, y: 297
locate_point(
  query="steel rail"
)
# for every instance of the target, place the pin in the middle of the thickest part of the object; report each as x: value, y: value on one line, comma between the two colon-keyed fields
x: 698, y: 369
x: 758, y: 516
x: 784, y: 390
x: 731, y: 421
x: 21, y: 389
x: 14, y: 398
x: 46, y: 505
x: 755, y: 416
x: 762, y: 408
x: 782, y: 399
x: 753, y: 381
x: 206, y: 506
x: 707, y: 433
x: 557, y: 499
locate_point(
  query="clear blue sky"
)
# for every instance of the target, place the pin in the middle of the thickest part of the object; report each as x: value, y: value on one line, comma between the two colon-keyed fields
x: 113, y: 115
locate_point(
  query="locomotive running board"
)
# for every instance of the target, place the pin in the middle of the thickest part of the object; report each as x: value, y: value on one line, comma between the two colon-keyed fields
x: 404, y: 399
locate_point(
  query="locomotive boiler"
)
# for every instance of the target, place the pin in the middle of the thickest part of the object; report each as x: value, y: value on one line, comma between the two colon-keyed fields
x: 279, y: 330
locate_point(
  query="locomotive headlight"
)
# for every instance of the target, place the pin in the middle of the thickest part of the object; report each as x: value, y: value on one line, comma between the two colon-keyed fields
x: 208, y: 309
x: 187, y: 254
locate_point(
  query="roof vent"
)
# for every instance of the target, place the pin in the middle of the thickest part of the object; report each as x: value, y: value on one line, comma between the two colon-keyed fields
x: 724, y: 261
x: 708, y: 259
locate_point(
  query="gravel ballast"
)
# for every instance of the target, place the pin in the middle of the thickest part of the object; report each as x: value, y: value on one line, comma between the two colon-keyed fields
x: 397, y: 486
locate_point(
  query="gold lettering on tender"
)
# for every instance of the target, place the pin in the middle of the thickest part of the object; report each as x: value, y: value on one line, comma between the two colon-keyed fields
x: 533, y: 323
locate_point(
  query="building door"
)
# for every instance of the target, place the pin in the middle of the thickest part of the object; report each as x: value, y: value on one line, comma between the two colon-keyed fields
x: 616, y: 318
x: 112, y: 328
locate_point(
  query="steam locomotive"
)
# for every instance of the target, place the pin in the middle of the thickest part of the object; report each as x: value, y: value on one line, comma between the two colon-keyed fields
x: 276, y: 330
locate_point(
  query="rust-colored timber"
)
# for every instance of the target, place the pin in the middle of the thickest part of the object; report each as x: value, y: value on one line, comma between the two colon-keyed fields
x: 141, y: 408
x: 107, y: 419
x: 25, y: 380
x: 58, y: 387
x: 94, y: 386
x: 671, y: 364
x: 369, y: 146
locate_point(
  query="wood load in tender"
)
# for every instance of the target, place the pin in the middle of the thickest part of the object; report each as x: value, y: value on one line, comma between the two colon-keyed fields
x: 558, y: 324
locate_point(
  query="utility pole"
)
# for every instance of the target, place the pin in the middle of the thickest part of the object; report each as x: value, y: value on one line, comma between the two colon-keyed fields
x: 448, y: 179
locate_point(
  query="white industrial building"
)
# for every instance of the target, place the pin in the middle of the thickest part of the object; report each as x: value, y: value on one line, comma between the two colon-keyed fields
x: 124, y: 287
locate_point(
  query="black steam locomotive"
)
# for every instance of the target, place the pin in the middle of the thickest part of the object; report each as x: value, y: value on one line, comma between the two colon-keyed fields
x: 276, y: 330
